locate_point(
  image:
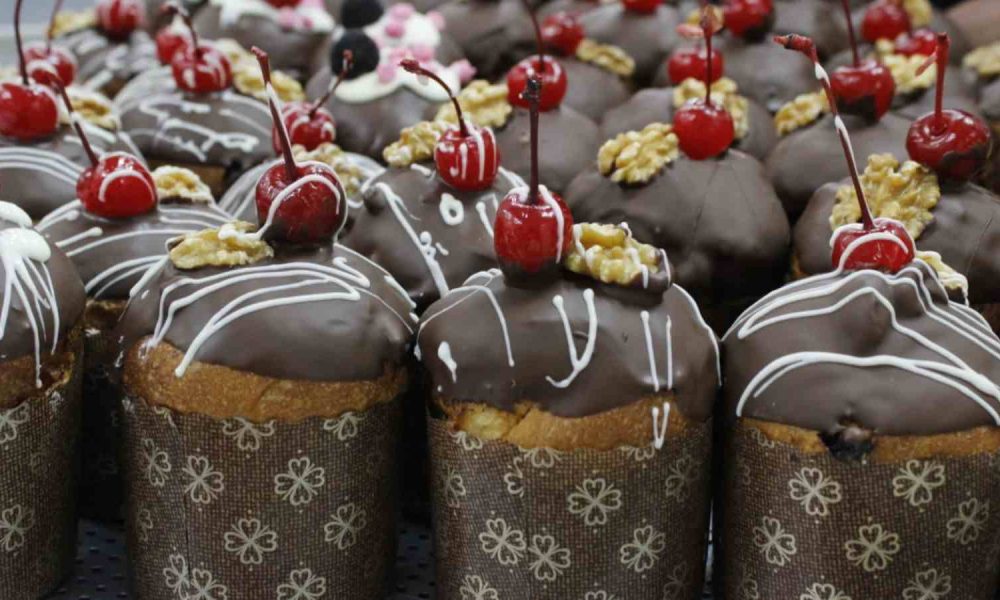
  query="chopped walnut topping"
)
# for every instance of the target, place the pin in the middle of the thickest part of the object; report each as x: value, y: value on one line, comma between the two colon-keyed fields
x: 985, y: 60
x: 415, y: 144
x: 803, y: 110
x: 234, y: 51
x: 181, y: 185
x: 907, y: 193
x: 351, y: 175
x: 724, y: 92
x: 248, y: 81
x: 920, y: 12
x: 93, y: 107
x: 227, y: 246
x: 637, y: 156
x: 608, y: 57
x: 694, y: 17
x: 67, y: 21
x: 609, y: 254
x: 950, y: 278
x: 482, y: 103
x: 904, y: 72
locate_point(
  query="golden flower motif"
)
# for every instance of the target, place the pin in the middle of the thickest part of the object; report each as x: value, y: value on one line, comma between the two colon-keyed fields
x: 609, y: 254
x: 482, y: 103
x: 179, y: 184
x: 724, y: 92
x: 351, y: 176
x: 907, y: 193
x: 803, y: 110
x: 226, y: 246
x: 415, y: 144
x: 608, y: 57
x: 985, y: 60
x: 637, y: 156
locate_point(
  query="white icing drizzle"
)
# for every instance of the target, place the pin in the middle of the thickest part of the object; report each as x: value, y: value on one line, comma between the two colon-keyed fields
x: 670, y: 353
x: 644, y: 315
x: 304, y: 16
x: 660, y: 429
x: 423, y: 242
x: 444, y: 353
x: 14, y: 214
x: 452, y: 210
x: 579, y: 362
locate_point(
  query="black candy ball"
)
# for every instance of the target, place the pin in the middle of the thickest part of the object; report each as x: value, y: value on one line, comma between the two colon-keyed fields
x: 366, y: 54
x: 359, y: 13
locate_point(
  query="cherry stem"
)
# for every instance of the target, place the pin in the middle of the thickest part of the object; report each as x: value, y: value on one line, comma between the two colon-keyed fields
x: 532, y: 93
x: 941, y: 57
x: 806, y: 46
x: 286, y: 145
x: 538, y: 33
x: 56, y: 8
x: 345, y: 69
x: 708, y: 27
x: 17, y: 40
x: 411, y: 66
x: 173, y: 8
x: 850, y: 31
x: 87, y: 148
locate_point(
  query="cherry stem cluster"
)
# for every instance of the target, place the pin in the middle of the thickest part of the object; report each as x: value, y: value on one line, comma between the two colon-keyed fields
x: 806, y: 46
x: 87, y: 148
x: 345, y: 70
x: 411, y: 66
x: 56, y: 8
x: 532, y: 93
x: 279, y: 124
x: 174, y: 8
x: 850, y: 31
x: 538, y: 34
x: 17, y: 40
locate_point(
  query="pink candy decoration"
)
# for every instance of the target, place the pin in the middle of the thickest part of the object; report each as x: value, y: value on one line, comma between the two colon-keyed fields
x: 386, y: 71
x: 464, y: 70
x: 395, y: 29
x: 437, y: 19
x: 402, y: 11
x: 422, y: 52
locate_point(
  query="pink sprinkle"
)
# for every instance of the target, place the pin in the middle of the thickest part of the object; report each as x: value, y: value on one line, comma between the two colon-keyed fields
x: 437, y: 19
x: 401, y: 11
x: 290, y: 19
x: 386, y: 72
x: 422, y: 52
x: 395, y: 29
x: 464, y: 70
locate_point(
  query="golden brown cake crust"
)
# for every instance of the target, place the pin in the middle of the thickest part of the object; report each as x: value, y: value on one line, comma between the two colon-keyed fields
x: 221, y: 392
x: 17, y: 377
x: 532, y: 427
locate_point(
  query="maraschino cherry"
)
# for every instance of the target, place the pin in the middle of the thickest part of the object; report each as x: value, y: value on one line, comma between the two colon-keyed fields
x: 119, y: 18
x: 28, y: 111
x: 864, y: 88
x: 885, y: 19
x: 198, y: 68
x: 48, y: 64
x: 642, y: 6
x: 116, y: 185
x: 880, y: 244
x: 704, y: 128
x: 549, y: 71
x: 952, y: 143
x: 466, y: 156
x: 533, y: 228
x: 748, y: 19
x: 172, y: 38
x: 562, y: 32
x: 921, y: 41
x: 692, y: 61
x: 302, y: 204
x: 308, y: 123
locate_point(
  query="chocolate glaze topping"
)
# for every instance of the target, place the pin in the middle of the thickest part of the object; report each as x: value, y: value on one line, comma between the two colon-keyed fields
x: 989, y: 100
x: 106, y: 64
x: 491, y: 343
x: 592, y: 90
x: 493, y: 34
x: 225, y: 129
x: 567, y: 144
x: 41, y: 176
x: 965, y: 232
x: 821, y: 20
x: 404, y: 204
x: 806, y: 159
x: 112, y: 255
x: 719, y: 221
x: 888, y: 353
x: 357, y: 323
x: 33, y: 304
x: 647, y: 38
x: 657, y: 105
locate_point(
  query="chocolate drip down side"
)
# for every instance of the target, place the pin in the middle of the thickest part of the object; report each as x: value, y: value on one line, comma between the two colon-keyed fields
x: 887, y: 353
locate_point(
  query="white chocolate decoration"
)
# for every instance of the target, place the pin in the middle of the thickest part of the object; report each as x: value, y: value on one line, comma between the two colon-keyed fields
x: 389, y: 77
x: 403, y: 26
x: 306, y: 16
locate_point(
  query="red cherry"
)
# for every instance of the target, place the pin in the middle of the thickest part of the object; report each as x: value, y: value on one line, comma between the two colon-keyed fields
x: 746, y: 18
x: 693, y: 62
x: 866, y: 90
x: 562, y: 32
x: 306, y: 128
x: 553, y: 77
x: 119, y: 18
x: 297, y: 203
x: 530, y: 237
x: 170, y: 40
x: 921, y: 41
x: 886, y: 19
x: 49, y: 65
x: 198, y: 68
x: 885, y: 247
x: 118, y: 186
x: 703, y: 129
x: 27, y: 110
x: 953, y: 143
x: 642, y: 6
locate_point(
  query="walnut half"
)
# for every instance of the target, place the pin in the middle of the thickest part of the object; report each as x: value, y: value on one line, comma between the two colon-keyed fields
x: 638, y: 156
x: 415, y: 143
x: 482, y: 103
x: 228, y: 246
x: 801, y: 111
x: 609, y: 254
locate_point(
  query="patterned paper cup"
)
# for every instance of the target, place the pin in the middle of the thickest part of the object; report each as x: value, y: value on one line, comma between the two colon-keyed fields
x: 584, y: 524
x: 39, y: 441
x: 799, y: 523
x: 232, y: 509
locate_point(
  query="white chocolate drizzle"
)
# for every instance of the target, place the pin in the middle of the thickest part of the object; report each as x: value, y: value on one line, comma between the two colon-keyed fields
x: 579, y: 362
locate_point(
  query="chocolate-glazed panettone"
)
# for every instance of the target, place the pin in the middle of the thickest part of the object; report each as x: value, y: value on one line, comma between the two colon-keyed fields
x: 647, y: 37
x: 493, y: 34
x: 718, y: 218
x: 40, y: 175
x: 528, y: 415
x: 41, y: 355
x: 755, y: 133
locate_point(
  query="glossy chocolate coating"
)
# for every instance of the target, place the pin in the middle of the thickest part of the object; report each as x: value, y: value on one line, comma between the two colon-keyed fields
x: 493, y: 34
x: 718, y: 220
x: 618, y: 372
x: 989, y: 100
x: 591, y: 90
x: 106, y: 64
x: 647, y: 38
